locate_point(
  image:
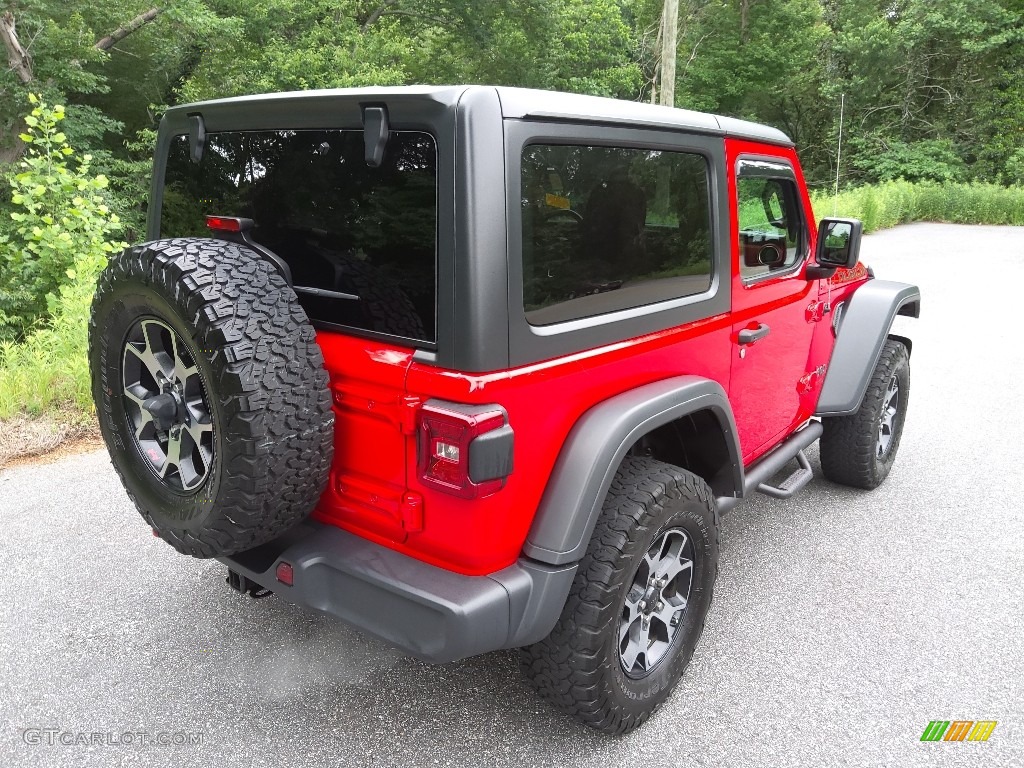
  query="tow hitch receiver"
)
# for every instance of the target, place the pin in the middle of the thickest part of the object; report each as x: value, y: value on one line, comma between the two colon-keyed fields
x: 247, y: 586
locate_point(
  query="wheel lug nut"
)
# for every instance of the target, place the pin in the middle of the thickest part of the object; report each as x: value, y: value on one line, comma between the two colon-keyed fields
x: 642, y: 605
x: 660, y: 606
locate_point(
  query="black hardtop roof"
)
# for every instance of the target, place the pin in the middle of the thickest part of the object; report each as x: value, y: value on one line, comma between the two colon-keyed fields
x: 527, y: 103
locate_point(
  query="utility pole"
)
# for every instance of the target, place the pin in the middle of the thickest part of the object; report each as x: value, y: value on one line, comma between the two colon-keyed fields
x: 669, y: 33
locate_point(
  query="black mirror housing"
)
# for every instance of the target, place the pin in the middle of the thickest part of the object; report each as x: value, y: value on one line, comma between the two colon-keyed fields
x: 838, y: 243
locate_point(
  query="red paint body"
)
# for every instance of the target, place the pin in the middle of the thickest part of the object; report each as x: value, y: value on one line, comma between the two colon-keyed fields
x: 375, y: 491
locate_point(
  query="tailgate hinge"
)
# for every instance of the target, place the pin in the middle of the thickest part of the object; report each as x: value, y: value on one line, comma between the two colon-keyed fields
x: 409, y: 406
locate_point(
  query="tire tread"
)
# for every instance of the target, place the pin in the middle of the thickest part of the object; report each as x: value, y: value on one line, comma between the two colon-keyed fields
x: 277, y: 439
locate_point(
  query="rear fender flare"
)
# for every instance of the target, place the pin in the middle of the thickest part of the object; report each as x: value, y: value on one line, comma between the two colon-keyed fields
x: 595, y: 447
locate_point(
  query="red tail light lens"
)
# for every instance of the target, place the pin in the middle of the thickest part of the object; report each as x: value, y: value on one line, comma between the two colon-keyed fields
x: 445, y: 438
x: 224, y: 223
x: 285, y: 573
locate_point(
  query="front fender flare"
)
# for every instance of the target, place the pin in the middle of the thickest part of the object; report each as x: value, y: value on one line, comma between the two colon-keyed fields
x: 862, y: 333
x: 596, y: 446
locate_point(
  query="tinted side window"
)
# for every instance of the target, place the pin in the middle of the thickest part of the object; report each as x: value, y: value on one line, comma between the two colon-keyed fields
x: 341, y: 225
x: 771, y: 228
x: 608, y: 228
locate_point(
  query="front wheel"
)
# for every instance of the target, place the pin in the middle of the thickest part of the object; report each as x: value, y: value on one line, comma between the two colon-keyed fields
x: 637, y: 606
x: 859, y: 450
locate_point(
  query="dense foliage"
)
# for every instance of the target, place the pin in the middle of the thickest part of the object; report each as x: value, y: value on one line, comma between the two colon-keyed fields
x: 931, y: 91
x: 62, y: 231
x: 60, y: 217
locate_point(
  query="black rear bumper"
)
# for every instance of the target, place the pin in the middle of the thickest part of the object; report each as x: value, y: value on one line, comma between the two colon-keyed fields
x: 431, y: 613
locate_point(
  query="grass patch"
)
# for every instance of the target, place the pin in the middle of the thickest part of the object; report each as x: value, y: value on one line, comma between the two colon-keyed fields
x: 48, y: 372
x: 45, y: 395
x: 885, y: 205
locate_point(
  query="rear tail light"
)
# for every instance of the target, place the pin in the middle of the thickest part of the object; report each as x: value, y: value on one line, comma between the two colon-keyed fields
x: 224, y: 223
x: 465, y: 450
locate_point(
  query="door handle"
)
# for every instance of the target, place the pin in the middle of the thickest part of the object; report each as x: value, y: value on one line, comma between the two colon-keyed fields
x: 750, y: 335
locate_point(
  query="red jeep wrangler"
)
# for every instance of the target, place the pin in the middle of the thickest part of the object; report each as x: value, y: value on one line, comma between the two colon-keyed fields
x: 475, y: 368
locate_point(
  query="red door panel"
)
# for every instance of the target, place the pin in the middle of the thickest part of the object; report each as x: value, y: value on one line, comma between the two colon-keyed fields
x: 767, y: 385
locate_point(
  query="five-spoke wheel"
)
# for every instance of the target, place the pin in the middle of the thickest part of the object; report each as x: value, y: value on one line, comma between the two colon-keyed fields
x: 886, y: 424
x: 655, y: 602
x: 167, y: 406
x: 638, y: 601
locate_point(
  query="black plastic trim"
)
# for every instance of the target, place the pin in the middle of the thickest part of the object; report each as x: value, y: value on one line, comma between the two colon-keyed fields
x: 818, y: 272
x: 866, y: 322
x: 433, y: 614
x: 196, y: 137
x: 596, y: 446
x: 375, y: 134
x: 490, y: 455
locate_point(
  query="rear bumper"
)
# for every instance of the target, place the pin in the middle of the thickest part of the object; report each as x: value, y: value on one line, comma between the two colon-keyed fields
x: 431, y: 613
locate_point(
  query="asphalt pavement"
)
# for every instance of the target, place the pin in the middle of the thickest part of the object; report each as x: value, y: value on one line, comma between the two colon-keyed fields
x: 843, y: 621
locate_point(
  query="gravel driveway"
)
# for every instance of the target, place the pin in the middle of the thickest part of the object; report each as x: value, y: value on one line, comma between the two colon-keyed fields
x: 843, y: 622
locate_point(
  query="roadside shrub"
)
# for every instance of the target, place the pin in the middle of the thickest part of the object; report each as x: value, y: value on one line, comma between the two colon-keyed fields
x: 48, y: 370
x: 61, y: 215
x: 63, y: 231
x: 880, y: 206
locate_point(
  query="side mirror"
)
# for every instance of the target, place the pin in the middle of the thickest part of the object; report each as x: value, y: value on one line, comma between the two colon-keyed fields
x: 838, y: 243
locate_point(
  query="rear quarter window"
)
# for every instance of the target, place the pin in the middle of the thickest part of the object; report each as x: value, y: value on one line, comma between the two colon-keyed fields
x: 611, y: 228
x: 340, y: 225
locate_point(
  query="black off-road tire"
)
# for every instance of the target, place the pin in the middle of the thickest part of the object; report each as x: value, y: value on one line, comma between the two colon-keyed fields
x: 263, y: 379
x: 578, y: 667
x: 850, y: 445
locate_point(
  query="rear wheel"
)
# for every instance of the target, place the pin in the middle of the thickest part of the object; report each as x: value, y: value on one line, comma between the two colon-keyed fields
x: 637, y: 606
x: 859, y: 450
x: 211, y: 393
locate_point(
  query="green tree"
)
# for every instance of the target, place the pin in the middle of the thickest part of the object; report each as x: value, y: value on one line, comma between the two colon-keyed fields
x: 62, y: 222
x: 919, y: 79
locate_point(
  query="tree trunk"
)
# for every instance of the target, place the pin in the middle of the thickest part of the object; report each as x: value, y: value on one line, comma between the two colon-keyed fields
x: 670, y: 32
x: 121, y: 33
x: 11, y: 147
x: 17, y: 57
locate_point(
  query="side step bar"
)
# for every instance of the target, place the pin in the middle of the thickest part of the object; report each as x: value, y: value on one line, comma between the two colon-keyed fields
x: 757, y: 476
x: 801, y: 477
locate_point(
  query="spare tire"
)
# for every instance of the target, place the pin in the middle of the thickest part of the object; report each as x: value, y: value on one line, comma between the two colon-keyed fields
x: 211, y: 393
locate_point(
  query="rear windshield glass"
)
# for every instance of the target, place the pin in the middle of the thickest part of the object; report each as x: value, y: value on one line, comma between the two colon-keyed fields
x: 341, y: 225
